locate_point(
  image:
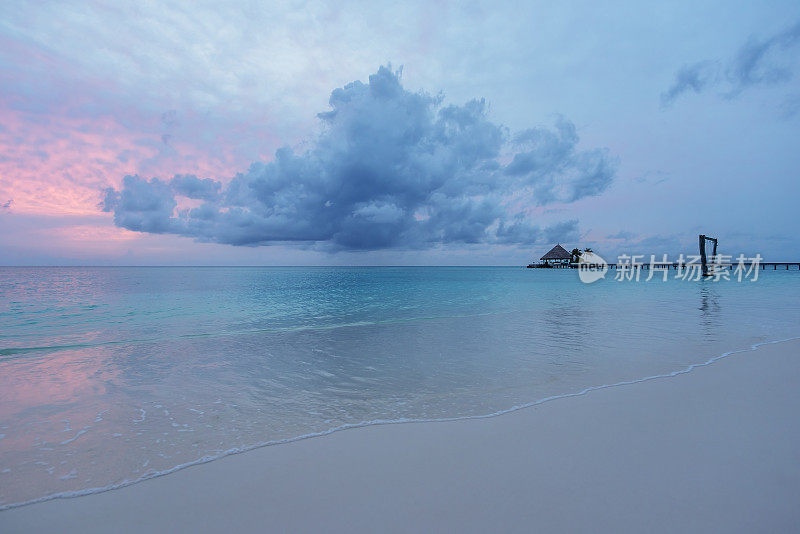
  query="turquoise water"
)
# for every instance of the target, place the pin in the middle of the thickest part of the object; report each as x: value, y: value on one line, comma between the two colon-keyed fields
x: 111, y: 375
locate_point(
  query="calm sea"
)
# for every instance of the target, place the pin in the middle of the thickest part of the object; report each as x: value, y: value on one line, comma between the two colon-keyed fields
x: 111, y: 375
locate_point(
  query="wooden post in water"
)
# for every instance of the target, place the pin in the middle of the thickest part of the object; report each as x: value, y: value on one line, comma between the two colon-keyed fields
x: 703, y: 258
x: 703, y: 255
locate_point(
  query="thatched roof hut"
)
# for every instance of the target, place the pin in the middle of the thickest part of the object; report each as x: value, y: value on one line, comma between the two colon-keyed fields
x: 557, y: 254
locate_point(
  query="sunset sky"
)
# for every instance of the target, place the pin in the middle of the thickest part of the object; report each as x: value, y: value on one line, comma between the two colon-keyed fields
x: 365, y: 133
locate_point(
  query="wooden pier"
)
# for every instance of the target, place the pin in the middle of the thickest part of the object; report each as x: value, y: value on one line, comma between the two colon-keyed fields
x: 763, y: 265
x: 559, y: 258
x: 784, y: 265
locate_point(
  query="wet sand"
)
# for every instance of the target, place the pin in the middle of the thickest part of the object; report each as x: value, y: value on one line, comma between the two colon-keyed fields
x: 716, y: 449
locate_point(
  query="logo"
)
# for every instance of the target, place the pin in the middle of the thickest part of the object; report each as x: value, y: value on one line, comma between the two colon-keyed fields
x: 591, y: 267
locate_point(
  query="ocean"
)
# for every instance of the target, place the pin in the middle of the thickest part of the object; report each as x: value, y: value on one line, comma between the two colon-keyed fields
x: 111, y: 375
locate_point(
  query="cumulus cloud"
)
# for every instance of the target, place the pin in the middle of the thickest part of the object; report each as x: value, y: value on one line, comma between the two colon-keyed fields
x: 191, y: 186
x: 391, y: 168
x: 758, y: 62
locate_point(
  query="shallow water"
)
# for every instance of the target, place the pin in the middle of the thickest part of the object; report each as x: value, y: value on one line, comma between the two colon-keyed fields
x: 108, y: 375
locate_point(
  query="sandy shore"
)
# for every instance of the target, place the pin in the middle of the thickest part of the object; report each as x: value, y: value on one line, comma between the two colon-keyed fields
x: 717, y: 449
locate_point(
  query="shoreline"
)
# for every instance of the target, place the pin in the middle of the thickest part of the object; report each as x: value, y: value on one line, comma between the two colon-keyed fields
x: 17, y: 515
x: 380, y: 422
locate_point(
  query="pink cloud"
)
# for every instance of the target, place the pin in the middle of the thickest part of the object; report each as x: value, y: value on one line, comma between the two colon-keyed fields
x: 57, y: 164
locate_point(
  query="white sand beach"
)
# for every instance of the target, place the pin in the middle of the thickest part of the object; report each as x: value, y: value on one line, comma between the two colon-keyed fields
x: 713, y: 450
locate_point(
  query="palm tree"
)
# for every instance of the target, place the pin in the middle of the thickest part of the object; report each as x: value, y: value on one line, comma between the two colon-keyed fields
x: 575, y: 254
x: 587, y: 250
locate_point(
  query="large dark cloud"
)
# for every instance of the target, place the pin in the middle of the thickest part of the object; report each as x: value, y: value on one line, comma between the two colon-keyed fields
x: 758, y: 62
x: 391, y: 168
x: 193, y: 187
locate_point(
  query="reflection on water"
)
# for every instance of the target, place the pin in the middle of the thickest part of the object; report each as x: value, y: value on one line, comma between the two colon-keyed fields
x: 709, y: 308
x: 137, y: 370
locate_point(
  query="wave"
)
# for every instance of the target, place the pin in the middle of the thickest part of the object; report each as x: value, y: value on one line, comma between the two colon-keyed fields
x: 10, y: 352
x: 376, y: 422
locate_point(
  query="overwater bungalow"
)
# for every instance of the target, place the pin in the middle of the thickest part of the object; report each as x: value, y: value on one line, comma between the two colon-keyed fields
x: 557, y: 257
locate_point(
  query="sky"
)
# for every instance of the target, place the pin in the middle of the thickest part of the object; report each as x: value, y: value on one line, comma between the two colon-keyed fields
x: 378, y: 133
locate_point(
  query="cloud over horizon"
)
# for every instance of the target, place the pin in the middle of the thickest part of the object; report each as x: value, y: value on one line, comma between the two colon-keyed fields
x: 391, y: 169
x: 758, y: 62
